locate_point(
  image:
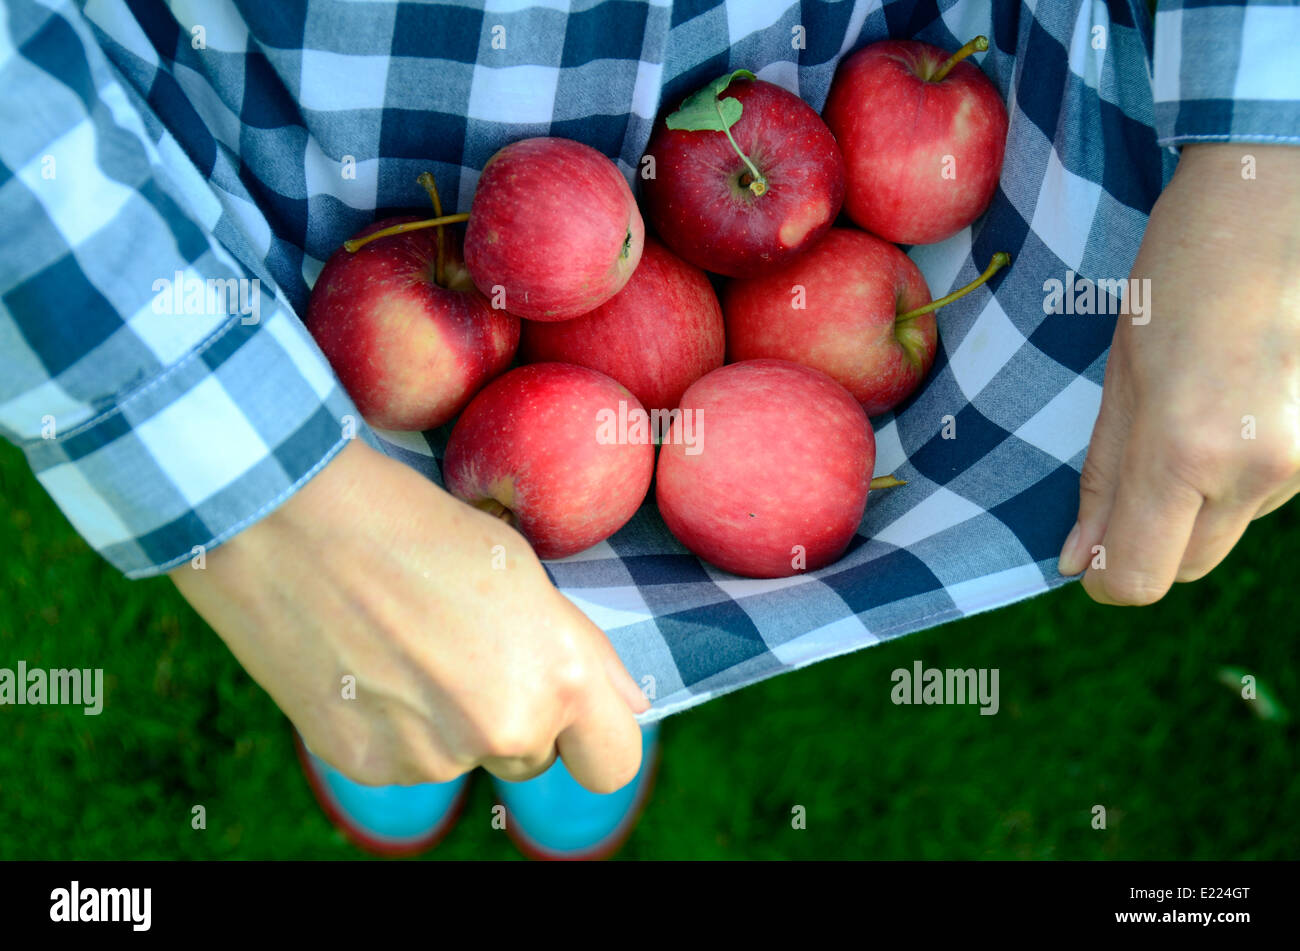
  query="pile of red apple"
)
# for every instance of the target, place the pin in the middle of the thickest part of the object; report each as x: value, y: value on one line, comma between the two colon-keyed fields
x: 764, y: 464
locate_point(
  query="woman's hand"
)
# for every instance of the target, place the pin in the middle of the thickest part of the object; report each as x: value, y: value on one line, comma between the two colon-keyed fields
x: 1199, y: 429
x: 463, y: 652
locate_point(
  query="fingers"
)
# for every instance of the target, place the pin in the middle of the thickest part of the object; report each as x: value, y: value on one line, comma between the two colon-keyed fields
x: 1099, y: 478
x: 601, y: 745
x: 1148, y: 530
x: 1278, y: 499
x: 1221, y: 524
x: 1219, y: 527
x: 602, y: 748
x: 403, y: 754
x: 618, y: 675
x: 516, y: 769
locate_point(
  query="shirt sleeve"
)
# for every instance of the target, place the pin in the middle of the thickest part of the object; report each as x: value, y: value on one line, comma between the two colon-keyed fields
x: 1226, y: 72
x: 164, y: 397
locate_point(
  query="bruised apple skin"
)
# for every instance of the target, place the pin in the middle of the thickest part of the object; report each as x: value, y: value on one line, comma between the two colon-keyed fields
x: 408, y: 350
x: 529, y: 449
x: 852, y: 287
x: 553, y: 227
x: 699, y: 200
x: 656, y: 336
x: 778, y: 481
x: 922, y: 157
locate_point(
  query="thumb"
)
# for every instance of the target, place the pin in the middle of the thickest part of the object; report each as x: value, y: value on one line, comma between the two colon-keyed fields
x: 1100, y: 475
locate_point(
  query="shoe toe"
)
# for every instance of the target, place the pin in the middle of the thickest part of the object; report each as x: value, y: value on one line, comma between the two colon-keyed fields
x: 387, y: 820
x: 552, y: 816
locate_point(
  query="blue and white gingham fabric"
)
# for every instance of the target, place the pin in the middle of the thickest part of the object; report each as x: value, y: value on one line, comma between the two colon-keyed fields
x: 244, y: 140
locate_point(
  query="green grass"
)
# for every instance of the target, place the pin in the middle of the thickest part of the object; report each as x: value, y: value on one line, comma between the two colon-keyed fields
x: 1123, y: 708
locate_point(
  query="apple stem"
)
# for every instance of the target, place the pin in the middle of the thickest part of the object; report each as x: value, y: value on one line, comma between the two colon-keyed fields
x: 439, y: 267
x: 886, y: 482
x: 354, y: 244
x: 1000, y: 260
x: 977, y: 45
x: 759, y: 184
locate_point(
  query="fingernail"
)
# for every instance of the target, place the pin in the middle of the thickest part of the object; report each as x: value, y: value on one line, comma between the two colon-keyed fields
x: 1071, y: 561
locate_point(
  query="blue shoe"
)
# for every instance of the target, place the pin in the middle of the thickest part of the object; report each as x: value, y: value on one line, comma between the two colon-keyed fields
x: 384, y: 820
x: 552, y: 817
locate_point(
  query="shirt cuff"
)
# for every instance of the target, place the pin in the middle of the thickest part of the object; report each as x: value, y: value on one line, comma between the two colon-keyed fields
x: 1226, y: 73
x: 163, y: 400
x: 192, y: 457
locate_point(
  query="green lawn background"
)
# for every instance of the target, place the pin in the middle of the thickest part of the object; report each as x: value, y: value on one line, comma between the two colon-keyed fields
x: 1124, y: 708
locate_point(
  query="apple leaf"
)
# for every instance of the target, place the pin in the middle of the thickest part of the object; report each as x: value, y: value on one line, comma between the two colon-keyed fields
x: 702, y: 112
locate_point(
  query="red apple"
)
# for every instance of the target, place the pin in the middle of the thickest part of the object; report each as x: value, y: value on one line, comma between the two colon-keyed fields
x: 409, y: 347
x: 779, y: 481
x: 532, y: 448
x: 922, y: 139
x: 739, y: 214
x: 553, y: 227
x: 854, y: 307
x: 835, y: 309
x: 656, y: 336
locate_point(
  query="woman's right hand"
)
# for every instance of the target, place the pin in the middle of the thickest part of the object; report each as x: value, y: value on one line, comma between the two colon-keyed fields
x: 463, y: 653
